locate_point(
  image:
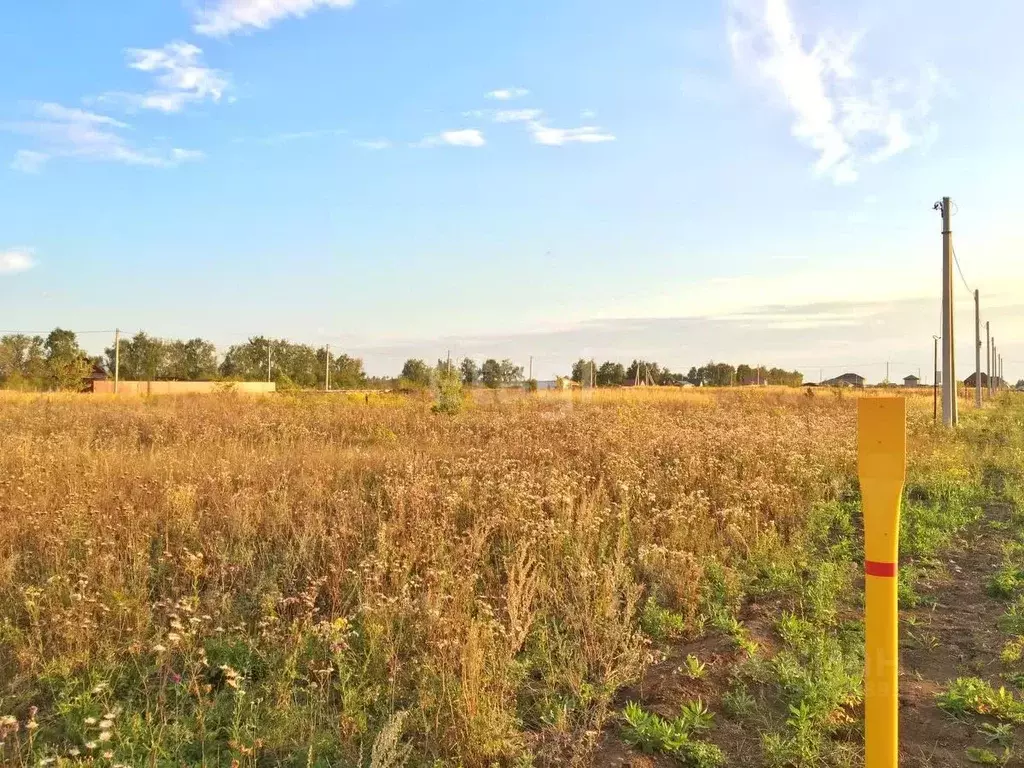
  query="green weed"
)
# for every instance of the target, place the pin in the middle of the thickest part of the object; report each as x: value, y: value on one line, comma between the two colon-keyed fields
x: 695, y: 668
x: 972, y: 695
x: 651, y: 733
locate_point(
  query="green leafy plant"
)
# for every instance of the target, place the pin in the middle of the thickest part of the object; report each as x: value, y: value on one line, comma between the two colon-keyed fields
x: 694, y: 667
x: 972, y: 695
x: 1001, y: 734
x: 1006, y: 582
x: 737, y: 702
x: 982, y: 756
x: 695, y: 717
x: 651, y: 733
x: 660, y: 623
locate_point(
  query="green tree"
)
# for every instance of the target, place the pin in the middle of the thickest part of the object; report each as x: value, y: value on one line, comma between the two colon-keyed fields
x: 649, y: 372
x: 22, y: 362
x: 490, y: 373
x: 611, y: 375
x: 581, y: 371
x: 347, y: 372
x: 192, y: 360
x: 66, y: 364
x: 248, y: 361
x: 416, y: 372
x: 510, y: 372
x: 469, y: 371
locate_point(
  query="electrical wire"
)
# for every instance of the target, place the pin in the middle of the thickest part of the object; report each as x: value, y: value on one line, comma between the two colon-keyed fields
x: 958, y: 269
x: 41, y: 333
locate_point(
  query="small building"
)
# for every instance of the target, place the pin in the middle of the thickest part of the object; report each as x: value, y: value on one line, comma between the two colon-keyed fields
x: 911, y: 381
x: 969, y: 381
x: 846, y: 380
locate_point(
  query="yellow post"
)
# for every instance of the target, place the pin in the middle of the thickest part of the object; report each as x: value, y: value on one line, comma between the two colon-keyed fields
x: 882, y: 461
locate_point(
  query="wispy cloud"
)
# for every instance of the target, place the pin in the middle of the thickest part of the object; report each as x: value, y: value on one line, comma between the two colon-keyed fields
x: 29, y: 161
x: 374, y: 144
x: 186, y: 155
x: 507, y: 94
x: 219, y: 18
x: 467, y: 137
x: 556, y: 137
x: 69, y: 132
x: 843, y: 118
x: 517, y: 115
x: 287, y: 138
x: 181, y: 78
x: 16, y: 260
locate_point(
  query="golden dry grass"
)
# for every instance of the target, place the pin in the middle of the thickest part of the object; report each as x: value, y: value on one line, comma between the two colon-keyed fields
x: 307, y: 580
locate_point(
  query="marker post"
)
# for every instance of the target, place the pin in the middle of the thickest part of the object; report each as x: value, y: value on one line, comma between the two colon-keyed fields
x: 882, y: 461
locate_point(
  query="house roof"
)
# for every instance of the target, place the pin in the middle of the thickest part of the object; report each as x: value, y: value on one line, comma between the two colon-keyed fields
x: 848, y: 377
x: 911, y: 377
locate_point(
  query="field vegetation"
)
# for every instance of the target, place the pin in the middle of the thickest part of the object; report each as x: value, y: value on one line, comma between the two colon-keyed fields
x: 306, y: 580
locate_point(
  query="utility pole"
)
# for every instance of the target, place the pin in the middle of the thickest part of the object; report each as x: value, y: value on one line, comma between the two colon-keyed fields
x: 988, y: 358
x: 327, y: 371
x: 935, y: 380
x: 270, y: 346
x: 117, y: 358
x: 448, y: 363
x: 949, y: 402
x: 531, y: 368
x: 887, y: 372
x: 977, y: 349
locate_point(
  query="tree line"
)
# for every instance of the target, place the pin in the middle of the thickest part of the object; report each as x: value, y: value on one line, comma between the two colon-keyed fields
x: 57, y: 361
x: 612, y: 374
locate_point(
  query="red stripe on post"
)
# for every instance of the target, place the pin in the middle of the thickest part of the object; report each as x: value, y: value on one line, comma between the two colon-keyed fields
x: 873, y: 568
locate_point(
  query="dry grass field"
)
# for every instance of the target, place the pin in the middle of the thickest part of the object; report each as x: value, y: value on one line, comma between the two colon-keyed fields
x: 301, y: 580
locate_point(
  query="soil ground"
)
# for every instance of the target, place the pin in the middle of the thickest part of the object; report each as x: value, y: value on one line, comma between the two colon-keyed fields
x: 952, y: 633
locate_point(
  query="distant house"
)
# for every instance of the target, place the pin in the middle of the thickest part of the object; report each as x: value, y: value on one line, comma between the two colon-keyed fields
x: 911, y: 381
x: 846, y: 380
x: 96, y: 373
x: 969, y: 381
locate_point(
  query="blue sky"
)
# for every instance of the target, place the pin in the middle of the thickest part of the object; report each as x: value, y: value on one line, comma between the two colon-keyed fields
x: 750, y: 179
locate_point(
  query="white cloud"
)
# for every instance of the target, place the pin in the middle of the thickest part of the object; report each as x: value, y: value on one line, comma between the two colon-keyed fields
x: 836, y: 113
x: 69, y: 132
x: 223, y: 17
x: 16, y: 260
x: 187, y: 155
x: 181, y: 78
x: 507, y: 94
x: 374, y: 144
x: 467, y: 137
x: 28, y: 161
x: 517, y: 115
x: 556, y: 137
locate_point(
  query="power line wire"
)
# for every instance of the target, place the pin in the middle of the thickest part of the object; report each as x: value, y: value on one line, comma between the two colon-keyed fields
x: 958, y: 269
